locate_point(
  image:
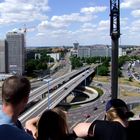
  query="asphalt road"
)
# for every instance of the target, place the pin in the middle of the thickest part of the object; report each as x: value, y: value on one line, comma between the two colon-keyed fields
x: 88, y: 113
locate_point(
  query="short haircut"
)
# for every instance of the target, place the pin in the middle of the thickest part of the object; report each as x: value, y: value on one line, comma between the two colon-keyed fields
x: 15, y: 89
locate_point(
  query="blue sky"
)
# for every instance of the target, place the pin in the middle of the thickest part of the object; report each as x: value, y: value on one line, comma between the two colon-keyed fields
x: 63, y: 22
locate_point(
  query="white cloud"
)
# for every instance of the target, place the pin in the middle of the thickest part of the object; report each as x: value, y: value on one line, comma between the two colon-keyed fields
x: 88, y: 25
x: 93, y: 10
x: 123, y: 21
x: 74, y: 17
x: 135, y: 27
x: 130, y: 4
x: 14, y: 11
x: 104, y: 25
x: 40, y: 34
x: 64, y: 21
x: 135, y: 13
x: 46, y: 25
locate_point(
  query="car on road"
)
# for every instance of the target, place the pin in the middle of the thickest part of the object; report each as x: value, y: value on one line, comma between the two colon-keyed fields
x: 86, y: 116
x: 99, y: 84
x: 95, y: 108
x: 103, y: 101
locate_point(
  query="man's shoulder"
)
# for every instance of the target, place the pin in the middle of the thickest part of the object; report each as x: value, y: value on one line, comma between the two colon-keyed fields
x: 5, y: 119
x: 8, y: 132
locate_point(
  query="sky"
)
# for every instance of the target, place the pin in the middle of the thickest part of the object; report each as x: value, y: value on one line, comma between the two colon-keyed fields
x: 64, y: 22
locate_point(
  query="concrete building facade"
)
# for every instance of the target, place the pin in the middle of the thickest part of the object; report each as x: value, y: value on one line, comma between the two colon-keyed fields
x: 97, y: 50
x: 3, y: 57
x: 16, y: 52
x: 83, y: 52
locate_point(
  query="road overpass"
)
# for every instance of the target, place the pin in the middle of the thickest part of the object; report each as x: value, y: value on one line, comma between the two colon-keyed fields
x: 55, y: 97
x: 38, y: 92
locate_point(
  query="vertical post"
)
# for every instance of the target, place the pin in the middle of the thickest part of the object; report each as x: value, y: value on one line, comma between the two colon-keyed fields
x: 114, y: 69
x: 49, y: 67
x: 48, y: 95
x: 48, y: 80
x: 97, y: 72
x: 115, y: 34
x: 85, y: 81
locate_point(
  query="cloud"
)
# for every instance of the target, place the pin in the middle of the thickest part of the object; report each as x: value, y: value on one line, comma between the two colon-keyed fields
x: 64, y: 21
x: 104, y: 25
x: 74, y: 17
x: 40, y: 34
x: 88, y: 25
x: 135, y: 13
x: 130, y: 4
x: 46, y: 25
x: 15, y: 11
x: 135, y: 27
x: 93, y: 10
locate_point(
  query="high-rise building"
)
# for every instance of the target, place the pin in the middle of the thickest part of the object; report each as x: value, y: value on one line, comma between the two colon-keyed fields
x: 16, y: 52
x: 3, y: 57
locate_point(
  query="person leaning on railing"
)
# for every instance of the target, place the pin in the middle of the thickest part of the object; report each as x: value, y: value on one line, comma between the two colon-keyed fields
x: 51, y: 125
x: 116, y: 125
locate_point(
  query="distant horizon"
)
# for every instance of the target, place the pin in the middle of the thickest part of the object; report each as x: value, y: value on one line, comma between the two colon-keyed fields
x: 79, y: 45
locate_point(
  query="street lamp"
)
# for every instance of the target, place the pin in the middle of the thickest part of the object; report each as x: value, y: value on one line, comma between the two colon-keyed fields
x: 48, y: 82
x: 85, y: 79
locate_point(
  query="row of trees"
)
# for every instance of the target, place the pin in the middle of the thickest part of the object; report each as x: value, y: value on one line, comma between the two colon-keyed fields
x: 102, y: 69
x: 37, y: 64
x: 42, y: 62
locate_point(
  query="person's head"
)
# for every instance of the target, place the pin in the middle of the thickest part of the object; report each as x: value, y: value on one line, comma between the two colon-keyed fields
x: 15, y: 90
x: 51, y: 126
x: 60, y: 112
x: 117, y: 108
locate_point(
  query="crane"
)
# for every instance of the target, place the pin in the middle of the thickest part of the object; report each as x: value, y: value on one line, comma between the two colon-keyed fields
x: 115, y: 34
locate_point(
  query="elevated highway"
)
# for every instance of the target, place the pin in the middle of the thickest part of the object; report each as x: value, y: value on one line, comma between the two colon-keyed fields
x: 55, y: 97
x: 38, y: 92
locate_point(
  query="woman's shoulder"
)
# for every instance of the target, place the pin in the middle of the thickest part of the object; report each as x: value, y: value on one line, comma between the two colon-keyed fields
x: 107, y: 123
x: 134, y: 123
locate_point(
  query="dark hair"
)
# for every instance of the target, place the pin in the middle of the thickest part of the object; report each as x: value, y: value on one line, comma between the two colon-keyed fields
x: 51, y: 126
x: 15, y: 89
x: 117, y: 108
x: 119, y: 112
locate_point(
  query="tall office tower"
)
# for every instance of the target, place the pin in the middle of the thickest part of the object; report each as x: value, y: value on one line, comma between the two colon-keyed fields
x: 16, y: 52
x: 3, y: 57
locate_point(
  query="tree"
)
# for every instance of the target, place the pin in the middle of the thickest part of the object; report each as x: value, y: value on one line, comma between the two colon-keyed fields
x: 130, y: 78
x: 76, y: 62
x: 30, y: 66
x: 103, y: 70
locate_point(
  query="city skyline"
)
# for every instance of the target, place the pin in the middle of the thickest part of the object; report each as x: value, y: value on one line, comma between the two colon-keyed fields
x: 57, y: 23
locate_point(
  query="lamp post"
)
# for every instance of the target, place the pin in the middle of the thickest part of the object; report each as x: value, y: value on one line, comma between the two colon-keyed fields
x: 48, y: 82
x: 85, y: 81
